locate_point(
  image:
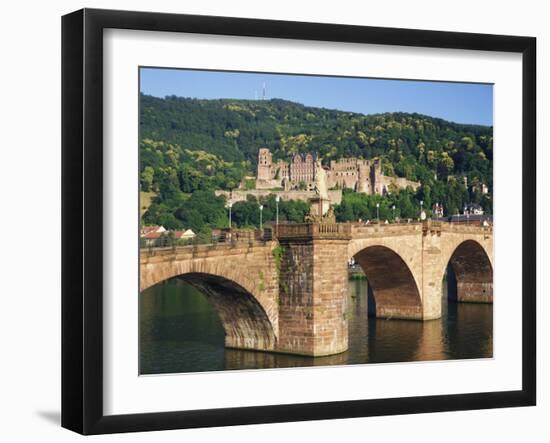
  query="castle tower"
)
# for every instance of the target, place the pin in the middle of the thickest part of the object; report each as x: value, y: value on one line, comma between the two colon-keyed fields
x: 362, y: 179
x: 265, y: 163
x: 376, y: 173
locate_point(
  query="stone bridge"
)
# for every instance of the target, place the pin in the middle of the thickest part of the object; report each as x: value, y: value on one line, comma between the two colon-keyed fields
x: 290, y: 294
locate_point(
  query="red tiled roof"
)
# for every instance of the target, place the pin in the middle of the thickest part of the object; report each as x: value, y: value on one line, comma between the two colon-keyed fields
x: 146, y: 229
x: 152, y: 235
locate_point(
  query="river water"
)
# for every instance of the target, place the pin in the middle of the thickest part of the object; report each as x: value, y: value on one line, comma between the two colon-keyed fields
x: 181, y: 332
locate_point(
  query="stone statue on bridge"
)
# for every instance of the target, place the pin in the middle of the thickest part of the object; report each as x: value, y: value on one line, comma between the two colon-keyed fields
x: 321, y: 187
x: 320, y: 210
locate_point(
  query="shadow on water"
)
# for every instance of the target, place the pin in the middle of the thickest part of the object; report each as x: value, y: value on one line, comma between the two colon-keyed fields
x: 469, y: 331
x: 236, y: 359
x: 181, y: 332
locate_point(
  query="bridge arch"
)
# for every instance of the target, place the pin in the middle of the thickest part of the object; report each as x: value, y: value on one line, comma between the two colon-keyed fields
x: 241, y: 285
x: 244, y: 320
x: 471, y: 276
x: 395, y: 293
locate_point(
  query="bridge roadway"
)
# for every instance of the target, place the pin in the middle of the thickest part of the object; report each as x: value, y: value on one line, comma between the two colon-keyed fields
x: 289, y: 294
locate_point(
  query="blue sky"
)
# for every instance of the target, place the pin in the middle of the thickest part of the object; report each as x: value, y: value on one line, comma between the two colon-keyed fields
x: 457, y: 102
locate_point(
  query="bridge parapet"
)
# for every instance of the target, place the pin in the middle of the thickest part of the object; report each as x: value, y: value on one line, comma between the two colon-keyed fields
x: 375, y: 229
x: 338, y: 231
x: 201, y: 249
x: 433, y: 227
x: 464, y: 228
x: 436, y: 227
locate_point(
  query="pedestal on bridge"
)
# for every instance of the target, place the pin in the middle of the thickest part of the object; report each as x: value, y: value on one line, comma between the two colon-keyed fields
x: 319, y: 207
x: 313, y: 284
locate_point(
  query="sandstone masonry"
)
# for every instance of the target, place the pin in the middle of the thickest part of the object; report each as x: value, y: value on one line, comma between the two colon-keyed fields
x: 361, y: 175
x: 290, y: 295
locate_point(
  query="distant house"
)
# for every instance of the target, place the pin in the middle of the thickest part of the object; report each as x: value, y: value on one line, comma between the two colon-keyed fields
x: 145, y: 230
x: 485, y: 220
x: 473, y: 209
x: 152, y: 237
x: 185, y: 234
x: 216, y: 234
x: 483, y: 188
x: 161, y: 237
x: 437, y: 210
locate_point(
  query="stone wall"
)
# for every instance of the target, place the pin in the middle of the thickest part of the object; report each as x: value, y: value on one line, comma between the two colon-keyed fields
x: 335, y: 195
x: 265, y: 184
x: 384, y: 184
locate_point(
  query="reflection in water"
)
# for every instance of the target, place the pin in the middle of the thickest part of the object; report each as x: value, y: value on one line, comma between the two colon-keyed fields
x: 180, y: 332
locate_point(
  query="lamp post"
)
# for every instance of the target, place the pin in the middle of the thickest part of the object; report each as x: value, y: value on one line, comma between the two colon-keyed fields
x: 422, y: 213
x: 378, y: 212
x: 393, y: 209
x: 261, y: 212
x: 277, y: 199
x: 229, y: 205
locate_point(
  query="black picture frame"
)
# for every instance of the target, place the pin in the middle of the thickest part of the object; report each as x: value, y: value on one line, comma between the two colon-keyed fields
x: 82, y: 215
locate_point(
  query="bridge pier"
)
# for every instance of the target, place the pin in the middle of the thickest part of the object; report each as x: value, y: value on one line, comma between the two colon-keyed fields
x: 474, y: 292
x: 431, y: 276
x: 313, y: 285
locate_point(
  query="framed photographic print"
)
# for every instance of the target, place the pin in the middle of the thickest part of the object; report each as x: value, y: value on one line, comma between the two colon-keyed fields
x: 270, y: 221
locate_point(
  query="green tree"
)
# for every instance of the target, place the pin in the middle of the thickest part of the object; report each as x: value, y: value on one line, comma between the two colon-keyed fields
x: 147, y: 178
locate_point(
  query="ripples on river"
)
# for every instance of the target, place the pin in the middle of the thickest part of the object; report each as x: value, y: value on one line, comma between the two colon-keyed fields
x: 180, y: 332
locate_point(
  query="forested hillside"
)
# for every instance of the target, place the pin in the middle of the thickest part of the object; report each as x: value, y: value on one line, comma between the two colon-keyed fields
x: 189, y: 144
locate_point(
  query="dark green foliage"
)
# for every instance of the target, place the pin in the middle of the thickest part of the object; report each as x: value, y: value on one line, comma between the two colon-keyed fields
x: 356, y: 206
x: 234, y: 130
x: 168, y: 168
x: 202, y: 210
x: 247, y: 213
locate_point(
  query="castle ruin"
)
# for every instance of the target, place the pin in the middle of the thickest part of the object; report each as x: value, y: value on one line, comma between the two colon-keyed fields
x: 361, y: 175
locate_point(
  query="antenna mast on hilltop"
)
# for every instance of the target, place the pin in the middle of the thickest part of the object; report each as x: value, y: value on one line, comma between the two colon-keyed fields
x: 263, y: 93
